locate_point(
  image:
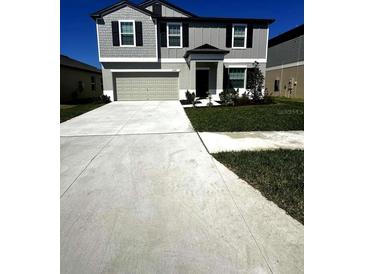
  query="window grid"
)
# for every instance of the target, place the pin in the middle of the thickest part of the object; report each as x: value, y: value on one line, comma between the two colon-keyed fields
x: 174, y: 34
x: 239, y: 34
x: 127, y: 33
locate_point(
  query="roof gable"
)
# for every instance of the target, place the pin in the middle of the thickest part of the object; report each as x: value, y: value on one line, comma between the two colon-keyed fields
x: 165, y: 3
x: 117, y: 6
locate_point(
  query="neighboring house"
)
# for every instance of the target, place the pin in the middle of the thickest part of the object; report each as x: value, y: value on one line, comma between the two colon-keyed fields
x: 78, y: 80
x: 157, y: 51
x: 285, y: 64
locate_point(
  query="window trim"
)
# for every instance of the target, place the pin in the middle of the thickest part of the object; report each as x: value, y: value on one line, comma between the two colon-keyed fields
x: 168, y: 35
x: 245, y: 75
x: 120, y: 33
x: 245, y: 46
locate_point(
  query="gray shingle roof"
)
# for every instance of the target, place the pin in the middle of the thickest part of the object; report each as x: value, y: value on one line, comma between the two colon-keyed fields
x: 72, y: 63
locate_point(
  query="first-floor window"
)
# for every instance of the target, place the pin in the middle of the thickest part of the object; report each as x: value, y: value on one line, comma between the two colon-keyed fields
x: 174, y: 35
x: 127, y: 36
x: 237, y: 77
x: 277, y: 85
x: 93, y: 83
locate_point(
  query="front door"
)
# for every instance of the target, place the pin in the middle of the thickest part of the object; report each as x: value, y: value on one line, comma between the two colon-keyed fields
x: 202, y: 83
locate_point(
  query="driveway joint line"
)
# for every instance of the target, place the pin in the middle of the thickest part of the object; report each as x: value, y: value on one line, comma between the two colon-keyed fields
x: 235, y: 204
x: 122, y: 134
x: 240, y: 213
x: 82, y: 171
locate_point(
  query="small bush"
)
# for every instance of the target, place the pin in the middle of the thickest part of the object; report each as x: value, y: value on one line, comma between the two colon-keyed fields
x: 105, y: 98
x: 190, y: 97
x: 243, y: 100
x: 228, y: 97
x: 267, y: 98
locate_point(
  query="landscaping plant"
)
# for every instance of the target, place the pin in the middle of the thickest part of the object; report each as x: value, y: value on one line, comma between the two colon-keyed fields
x: 105, y: 99
x: 228, y: 97
x: 190, y: 97
x: 255, y: 82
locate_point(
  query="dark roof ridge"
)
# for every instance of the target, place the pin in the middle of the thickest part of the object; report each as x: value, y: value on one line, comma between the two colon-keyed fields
x: 73, y: 63
x: 286, y: 36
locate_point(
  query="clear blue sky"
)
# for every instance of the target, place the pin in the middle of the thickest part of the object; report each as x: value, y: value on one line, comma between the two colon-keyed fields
x: 78, y: 30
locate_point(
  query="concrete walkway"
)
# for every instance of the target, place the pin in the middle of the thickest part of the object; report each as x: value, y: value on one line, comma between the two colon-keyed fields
x: 140, y: 194
x: 255, y: 140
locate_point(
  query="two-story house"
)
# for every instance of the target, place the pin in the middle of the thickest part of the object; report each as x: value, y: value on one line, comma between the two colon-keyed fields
x: 285, y: 64
x: 158, y: 51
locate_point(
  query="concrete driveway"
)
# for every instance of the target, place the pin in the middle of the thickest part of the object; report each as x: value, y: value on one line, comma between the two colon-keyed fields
x: 140, y: 194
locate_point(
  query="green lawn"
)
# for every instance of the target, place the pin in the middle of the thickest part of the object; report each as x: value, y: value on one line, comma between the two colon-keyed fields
x: 277, y: 174
x: 284, y: 114
x: 69, y: 111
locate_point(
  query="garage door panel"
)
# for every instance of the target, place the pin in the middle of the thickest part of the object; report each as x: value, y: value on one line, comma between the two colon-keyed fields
x: 144, y: 86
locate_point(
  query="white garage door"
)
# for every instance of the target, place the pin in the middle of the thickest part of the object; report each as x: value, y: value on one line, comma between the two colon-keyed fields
x: 147, y: 86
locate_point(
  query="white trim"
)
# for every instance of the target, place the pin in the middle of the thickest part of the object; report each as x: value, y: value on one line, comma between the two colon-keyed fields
x: 155, y: 22
x: 120, y: 34
x: 167, y: 34
x: 245, y: 46
x: 110, y: 93
x: 237, y: 66
x: 202, y: 68
x: 244, y: 79
x: 172, y: 60
x: 128, y: 59
x: 244, y: 60
x: 236, y: 60
x: 145, y: 70
x: 295, y: 64
x: 97, y: 36
x: 267, y: 42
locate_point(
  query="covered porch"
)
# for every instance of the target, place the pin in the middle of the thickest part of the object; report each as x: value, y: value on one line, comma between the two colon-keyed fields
x: 210, y: 75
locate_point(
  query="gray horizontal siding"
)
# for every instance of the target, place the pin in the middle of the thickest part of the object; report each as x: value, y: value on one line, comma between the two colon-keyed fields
x: 105, y: 35
x: 287, y: 52
x: 215, y: 35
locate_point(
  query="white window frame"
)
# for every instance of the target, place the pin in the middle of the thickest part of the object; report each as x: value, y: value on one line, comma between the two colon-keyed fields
x: 245, y: 46
x: 245, y: 75
x: 168, y: 35
x: 120, y: 33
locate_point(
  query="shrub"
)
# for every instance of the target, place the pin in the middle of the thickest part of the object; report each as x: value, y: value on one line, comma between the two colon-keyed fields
x: 255, y: 82
x: 243, y: 100
x: 190, y: 97
x: 228, y: 96
x: 104, y: 98
x: 267, y: 97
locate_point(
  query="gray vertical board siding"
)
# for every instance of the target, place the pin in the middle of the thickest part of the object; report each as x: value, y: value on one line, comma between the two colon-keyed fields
x: 168, y: 12
x: 105, y: 35
x: 215, y: 35
x: 290, y: 51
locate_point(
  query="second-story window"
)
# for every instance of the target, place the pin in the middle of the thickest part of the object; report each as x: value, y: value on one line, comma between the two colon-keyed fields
x: 127, y: 33
x: 174, y: 32
x: 239, y: 34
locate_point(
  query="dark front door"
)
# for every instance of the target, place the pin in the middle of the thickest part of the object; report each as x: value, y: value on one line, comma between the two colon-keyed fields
x: 202, y: 83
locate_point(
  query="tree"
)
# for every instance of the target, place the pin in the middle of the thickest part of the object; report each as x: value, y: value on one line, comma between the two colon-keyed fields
x: 255, y: 82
